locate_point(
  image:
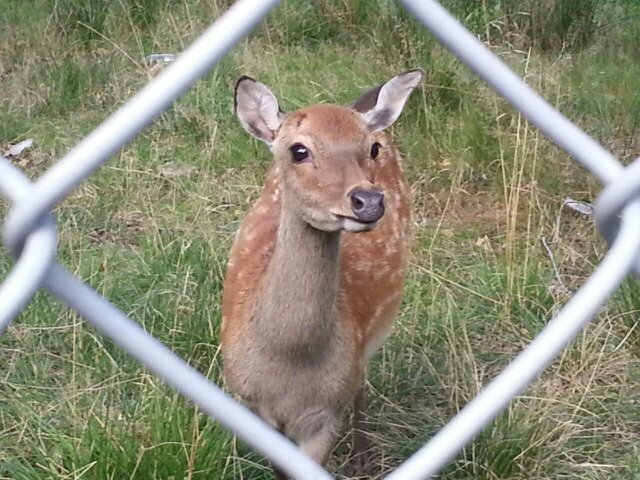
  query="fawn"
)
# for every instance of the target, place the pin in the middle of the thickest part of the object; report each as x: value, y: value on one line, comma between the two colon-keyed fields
x: 305, y: 306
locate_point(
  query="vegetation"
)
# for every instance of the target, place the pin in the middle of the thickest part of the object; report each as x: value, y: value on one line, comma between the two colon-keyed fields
x: 152, y: 230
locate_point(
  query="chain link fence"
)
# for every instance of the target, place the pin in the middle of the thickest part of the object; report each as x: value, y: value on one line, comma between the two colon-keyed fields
x: 30, y: 235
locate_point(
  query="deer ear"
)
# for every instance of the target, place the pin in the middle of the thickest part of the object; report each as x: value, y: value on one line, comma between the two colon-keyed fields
x: 382, y: 106
x: 257, y: 109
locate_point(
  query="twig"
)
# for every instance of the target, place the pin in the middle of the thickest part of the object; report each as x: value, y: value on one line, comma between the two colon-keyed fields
x: 553, y: 264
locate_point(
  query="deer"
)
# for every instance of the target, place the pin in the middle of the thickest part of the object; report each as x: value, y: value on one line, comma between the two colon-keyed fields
x: 316, y: 272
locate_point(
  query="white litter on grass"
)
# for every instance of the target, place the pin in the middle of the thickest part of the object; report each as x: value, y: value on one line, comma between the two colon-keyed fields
x: 581, y: 207
x: 159, y: 58
x: 18, y: 148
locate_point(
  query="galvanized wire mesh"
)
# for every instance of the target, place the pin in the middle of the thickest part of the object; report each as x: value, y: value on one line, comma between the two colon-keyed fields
x: 30, y: 235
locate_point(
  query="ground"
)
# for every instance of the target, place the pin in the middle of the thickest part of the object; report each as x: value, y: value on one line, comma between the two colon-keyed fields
x: 152, y: 231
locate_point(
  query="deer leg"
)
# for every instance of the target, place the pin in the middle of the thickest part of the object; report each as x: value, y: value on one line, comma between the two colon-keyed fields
x: 319, y: 445
x: 361, y: 444
x: 278, y: 474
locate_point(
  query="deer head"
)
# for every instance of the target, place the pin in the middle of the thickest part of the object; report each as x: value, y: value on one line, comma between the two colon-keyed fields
x: 325, y: 154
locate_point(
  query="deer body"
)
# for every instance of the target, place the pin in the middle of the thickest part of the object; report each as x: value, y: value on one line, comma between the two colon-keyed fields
x: 306, y: 303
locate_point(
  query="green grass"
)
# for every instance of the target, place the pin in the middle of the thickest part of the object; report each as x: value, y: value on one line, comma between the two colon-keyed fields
x: 152, y: 231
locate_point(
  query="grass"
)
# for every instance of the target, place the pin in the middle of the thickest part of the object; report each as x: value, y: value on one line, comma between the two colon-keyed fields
x: 152, y: 230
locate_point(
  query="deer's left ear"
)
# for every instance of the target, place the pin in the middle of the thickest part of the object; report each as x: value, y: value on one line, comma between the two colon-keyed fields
x: 381, y: 106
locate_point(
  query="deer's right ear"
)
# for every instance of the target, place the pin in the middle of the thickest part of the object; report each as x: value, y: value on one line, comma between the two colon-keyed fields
x: 257, y: 109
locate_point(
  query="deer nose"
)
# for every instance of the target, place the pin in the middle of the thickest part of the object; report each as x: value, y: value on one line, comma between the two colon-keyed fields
x: 367, y: 205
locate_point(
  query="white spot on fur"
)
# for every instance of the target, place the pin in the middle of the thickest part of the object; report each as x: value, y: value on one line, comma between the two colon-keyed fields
x: 376, y: 342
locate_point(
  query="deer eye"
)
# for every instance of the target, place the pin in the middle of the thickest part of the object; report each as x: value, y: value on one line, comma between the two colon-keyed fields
x: 375, y: 150
x: 299, y: 153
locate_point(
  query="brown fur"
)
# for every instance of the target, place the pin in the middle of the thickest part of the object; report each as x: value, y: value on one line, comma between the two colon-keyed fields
x: 304, y: 309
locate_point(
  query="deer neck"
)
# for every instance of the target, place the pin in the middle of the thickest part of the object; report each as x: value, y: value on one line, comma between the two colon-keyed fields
x: 296, y: 308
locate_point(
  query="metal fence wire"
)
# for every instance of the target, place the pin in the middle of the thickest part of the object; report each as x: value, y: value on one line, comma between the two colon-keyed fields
x: 30, y: 235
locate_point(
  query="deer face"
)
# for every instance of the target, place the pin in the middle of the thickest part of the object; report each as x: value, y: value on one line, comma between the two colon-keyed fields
x: 326, y: 154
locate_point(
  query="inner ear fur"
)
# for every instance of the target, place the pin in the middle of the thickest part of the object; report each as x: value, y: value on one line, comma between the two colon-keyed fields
x: 381, y: 106
x: 257, y: 108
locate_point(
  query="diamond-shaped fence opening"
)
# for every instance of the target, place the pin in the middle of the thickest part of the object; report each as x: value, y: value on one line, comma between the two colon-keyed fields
x: 30, y: 235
